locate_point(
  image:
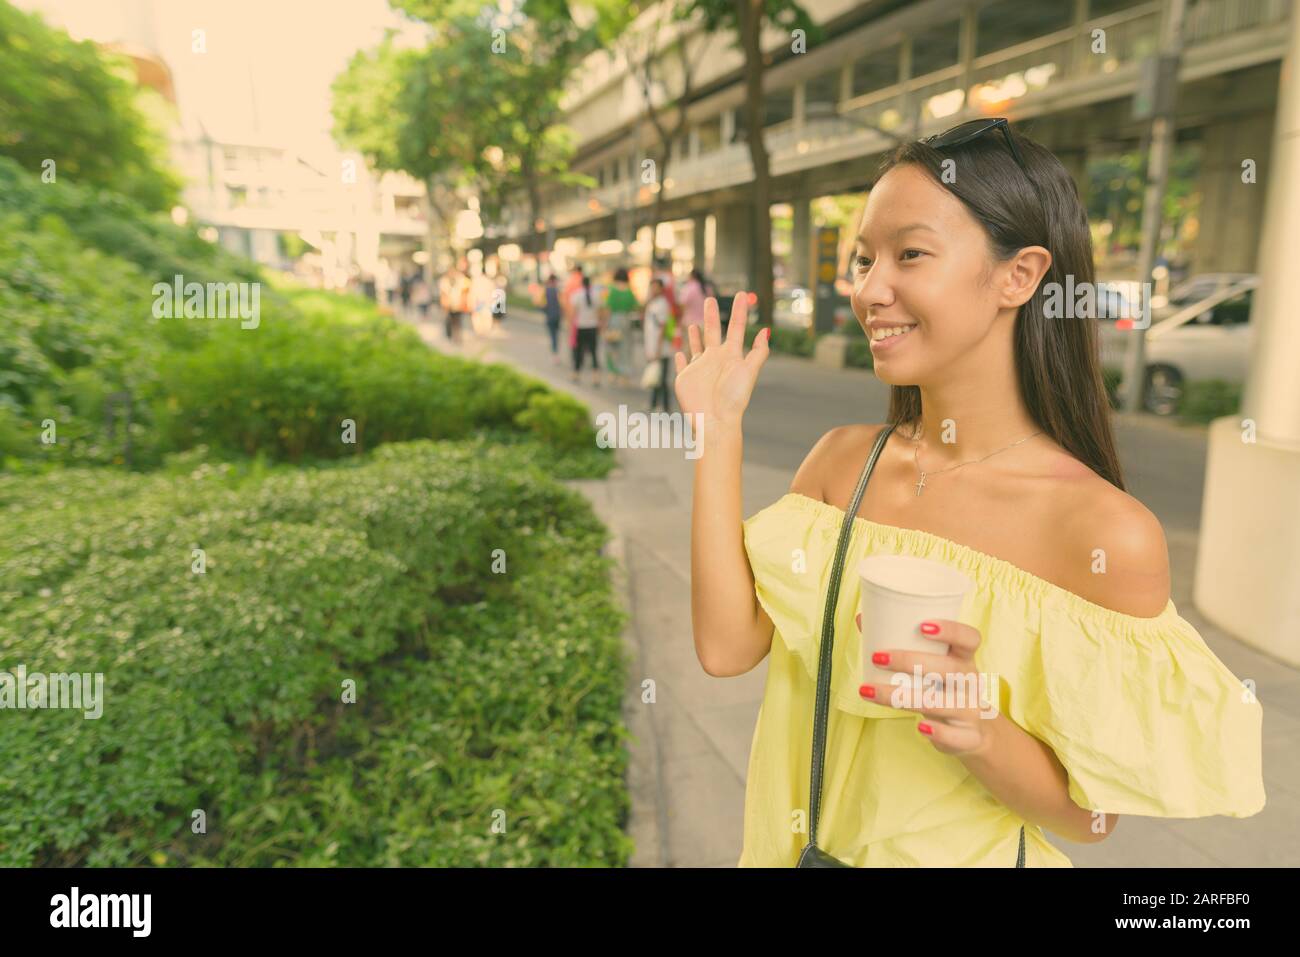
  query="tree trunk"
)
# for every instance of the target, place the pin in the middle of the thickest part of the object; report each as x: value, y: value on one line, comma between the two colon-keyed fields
x: 661, y: 164
x: 751, y: 15
x: 537, y: 239
x: 432, y: 215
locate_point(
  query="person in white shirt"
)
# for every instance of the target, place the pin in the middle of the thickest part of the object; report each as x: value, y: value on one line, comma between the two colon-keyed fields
x: 584, y: 312
x: 655, y: 326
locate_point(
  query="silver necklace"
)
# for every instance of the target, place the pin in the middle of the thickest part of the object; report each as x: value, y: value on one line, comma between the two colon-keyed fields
x: 916, y: 452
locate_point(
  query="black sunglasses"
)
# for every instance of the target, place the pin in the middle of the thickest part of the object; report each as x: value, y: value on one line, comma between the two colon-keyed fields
x: 965, y: 132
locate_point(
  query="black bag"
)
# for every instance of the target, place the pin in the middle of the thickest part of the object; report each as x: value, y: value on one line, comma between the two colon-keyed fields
x: 812, y: 855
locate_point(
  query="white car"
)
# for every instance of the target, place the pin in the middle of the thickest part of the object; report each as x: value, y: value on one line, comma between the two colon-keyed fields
x: 1203, y: 337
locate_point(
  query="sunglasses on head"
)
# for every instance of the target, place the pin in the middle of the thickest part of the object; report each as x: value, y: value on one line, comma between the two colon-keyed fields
x: 965, y: 132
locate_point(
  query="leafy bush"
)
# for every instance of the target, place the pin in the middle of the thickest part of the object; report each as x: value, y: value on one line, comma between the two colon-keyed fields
x: 482, y: 688
x: 77, y: 329
x: 858, y: 355
x: 1209, y: 399
x: 287, y: 387
x: 68, y: 102
x: 795, y: 342
x: 559, y: 420
x: 119, y: 227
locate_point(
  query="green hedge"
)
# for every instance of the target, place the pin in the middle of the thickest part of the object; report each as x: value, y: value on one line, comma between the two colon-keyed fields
x: 478, y: 694
x: 77, y: 272
x: 1204, y: 401
x: 794, y: 342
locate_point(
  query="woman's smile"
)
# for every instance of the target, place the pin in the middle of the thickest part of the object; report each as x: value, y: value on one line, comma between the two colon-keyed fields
x: 886, y: 337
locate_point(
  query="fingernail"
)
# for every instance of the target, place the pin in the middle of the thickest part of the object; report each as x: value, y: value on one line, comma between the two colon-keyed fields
x: 867, y: 691
x: 924, y: 728
x: 929, y: 628
x: 880, y: 658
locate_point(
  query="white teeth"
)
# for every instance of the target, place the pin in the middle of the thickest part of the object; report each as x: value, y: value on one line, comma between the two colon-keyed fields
x: 878, y: 334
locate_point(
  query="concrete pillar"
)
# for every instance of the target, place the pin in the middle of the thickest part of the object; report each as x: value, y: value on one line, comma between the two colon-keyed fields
x: 733, y: 259
x: 1230, y: 209
x: 698, y: 224
x: 1249, y: 555
x: 801, y: 243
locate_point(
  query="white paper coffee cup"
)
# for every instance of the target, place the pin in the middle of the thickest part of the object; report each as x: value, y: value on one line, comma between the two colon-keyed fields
x: 898, y: 593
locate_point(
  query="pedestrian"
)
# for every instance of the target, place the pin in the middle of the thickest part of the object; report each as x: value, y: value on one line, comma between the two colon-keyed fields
x: 657, y: 328
x: 585, y: 320
x: 553, y: 312
x: 454, y: 291
x: 421, y: 296
x: 664, y: 274
x: 620, y: 309
x: 407, y: 279
x: 694, y: 293
x: 571, y: 285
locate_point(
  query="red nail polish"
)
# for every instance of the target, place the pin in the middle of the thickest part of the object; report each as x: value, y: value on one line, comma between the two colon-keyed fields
x: 929, y: 628
x: 880, y: 658
x: 867, y: 691
x: 924, y: 728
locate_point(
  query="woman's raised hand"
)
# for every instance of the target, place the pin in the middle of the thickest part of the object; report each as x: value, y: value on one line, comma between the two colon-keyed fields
x: 719, y: 378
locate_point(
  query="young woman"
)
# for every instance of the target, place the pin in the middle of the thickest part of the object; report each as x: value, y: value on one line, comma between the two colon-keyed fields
x: 551, y: 309
x: 586, y: 321
x: 1001, y: 464
x: 620, y: 308
x: 657, y: 332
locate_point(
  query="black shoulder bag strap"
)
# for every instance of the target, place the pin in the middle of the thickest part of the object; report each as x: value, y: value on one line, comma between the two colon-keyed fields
x: 812, y: 855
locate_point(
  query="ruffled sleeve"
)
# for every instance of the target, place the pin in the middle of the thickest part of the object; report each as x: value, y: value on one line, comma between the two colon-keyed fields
x: 791, y: 548
x: 1142, y: 715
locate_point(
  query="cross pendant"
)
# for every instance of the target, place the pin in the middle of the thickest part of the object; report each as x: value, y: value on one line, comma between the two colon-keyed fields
x: 921, y: 484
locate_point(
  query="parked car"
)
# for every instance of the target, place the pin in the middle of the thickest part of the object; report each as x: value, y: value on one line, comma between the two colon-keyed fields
x: 1203, y: 337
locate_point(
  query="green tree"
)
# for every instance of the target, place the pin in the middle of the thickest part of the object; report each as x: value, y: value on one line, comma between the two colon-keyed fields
x: 666, y: 102
x: 66, y: 101
x: 747, y: 19
x: 480, y: 105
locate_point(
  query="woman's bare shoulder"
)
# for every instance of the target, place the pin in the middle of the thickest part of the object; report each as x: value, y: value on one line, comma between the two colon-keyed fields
x: 828, y: 455
x: 1120, y: 558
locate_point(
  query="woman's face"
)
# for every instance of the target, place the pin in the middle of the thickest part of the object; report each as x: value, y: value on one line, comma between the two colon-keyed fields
x: 922, y: 264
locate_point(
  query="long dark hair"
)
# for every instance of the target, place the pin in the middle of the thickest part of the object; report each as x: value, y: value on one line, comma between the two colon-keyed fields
x: 1057, y: 361
x: 586, y: 285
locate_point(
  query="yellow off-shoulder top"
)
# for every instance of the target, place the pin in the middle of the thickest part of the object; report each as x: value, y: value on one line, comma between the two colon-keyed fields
x: 1143, y: 716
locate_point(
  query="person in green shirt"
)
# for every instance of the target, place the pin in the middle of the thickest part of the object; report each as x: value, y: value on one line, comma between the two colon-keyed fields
x: 621, y: 309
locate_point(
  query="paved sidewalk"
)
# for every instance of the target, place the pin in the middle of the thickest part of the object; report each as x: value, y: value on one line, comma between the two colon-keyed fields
x: 691, y: 747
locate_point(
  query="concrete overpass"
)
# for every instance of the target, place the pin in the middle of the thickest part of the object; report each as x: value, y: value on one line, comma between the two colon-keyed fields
x: 1064, y: 72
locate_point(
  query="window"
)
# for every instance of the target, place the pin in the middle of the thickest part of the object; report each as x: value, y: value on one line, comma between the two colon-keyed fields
x: 738, y: 125
x: 876, y: 70
x: 1100, y: 8
x: 778, y: 107
x: 935, y: 48
x: 823, y: 89
x: 710, y: 133
x: 1230, y: 312
x: 1008, y: 22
